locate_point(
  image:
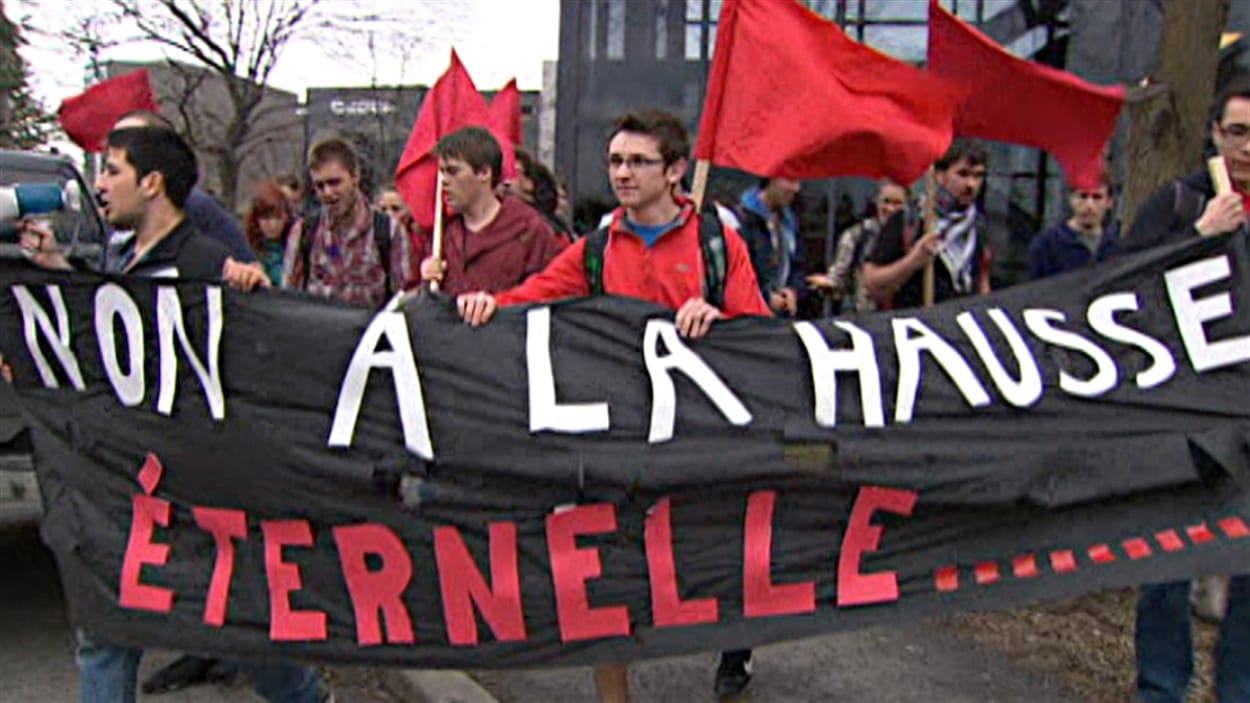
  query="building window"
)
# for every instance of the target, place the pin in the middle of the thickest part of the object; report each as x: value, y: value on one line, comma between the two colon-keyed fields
x: 661, y: 30
x: 616, y: 30
x: 701, y: 19
x: 594, y: 29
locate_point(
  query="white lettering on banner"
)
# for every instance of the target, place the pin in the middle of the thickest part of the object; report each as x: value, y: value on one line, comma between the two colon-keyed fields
x: 1041, y: 324
x: 59, y: 338
x: 911, y: 336
x: 1191, y: 314
x: 664, y: 395
x: 1023, y: 392
x: 1101, y: 316
x: 113, y: 302
x: 168, y: 322
x: 827, y: 362
x: 545, y: 412
x: 402, y: 364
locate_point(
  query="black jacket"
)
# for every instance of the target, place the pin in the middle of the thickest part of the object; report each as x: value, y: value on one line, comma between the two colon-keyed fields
x: 183, y: 253
x: 1169, y: 215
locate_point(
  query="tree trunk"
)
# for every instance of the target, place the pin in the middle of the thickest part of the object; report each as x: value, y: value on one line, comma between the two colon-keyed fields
x: 1168, y: 119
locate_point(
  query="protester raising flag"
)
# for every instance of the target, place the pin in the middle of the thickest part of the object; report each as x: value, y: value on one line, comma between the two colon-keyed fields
x: 1018, y: 101
x: 452, y: 103
x: 791, y: 95
x: 505, y: 114
x: 87, y: 118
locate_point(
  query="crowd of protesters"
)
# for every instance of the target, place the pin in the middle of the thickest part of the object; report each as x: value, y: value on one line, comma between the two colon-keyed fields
x: 509, y: 242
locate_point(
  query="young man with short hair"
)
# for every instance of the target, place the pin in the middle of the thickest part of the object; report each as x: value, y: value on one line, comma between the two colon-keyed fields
x: 1084, y: 238
x: 492, y: 243
x: 148, y: 174
x: 204, y: 212
x: 771, y: 230
x: 652, y: 250
x: 1188, y: 207
x: 894, y: 270
x: 344, y: 249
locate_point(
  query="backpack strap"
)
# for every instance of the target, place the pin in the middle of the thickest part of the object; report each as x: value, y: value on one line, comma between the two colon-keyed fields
x: 715, y: 260
x: 305, y: 243
x: 592, y: 259
x: 711, y: 244
x: 382, y: 238
x: 1187, y: 204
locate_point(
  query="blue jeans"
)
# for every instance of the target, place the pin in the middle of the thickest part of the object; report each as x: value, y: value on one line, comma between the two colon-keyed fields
x: 107, y: 673
x: 1165, y: 646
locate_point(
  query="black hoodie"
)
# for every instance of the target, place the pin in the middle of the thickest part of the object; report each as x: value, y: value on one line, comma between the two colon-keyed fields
x: 1169, y: 215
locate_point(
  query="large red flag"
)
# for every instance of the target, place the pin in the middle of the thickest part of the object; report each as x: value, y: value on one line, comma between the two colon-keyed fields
x: 791, y: 95
x: 87, y: 118
x: 1018, y: 101
x: 452, y: 103
x: 505, y: 113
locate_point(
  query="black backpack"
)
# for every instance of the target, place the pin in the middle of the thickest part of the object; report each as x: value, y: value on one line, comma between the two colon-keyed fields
x: 711, y: 241
x: 381, y: 237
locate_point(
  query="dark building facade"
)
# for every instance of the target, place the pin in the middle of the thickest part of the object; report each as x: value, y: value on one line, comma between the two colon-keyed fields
x: 379, y: 119
x: 617, y: 55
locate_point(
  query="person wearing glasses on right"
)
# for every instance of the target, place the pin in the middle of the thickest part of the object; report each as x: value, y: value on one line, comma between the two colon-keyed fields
x: 1189, y: 207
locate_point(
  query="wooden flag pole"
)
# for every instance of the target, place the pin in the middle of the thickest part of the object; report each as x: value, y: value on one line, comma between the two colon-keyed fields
x: 699, y: 187
x: 438, y: 225
x: 1219, y: 175
x: 930, y: 226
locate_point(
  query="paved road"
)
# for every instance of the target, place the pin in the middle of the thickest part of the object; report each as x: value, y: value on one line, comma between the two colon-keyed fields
x: 910, y: 664
x: 36, y: 642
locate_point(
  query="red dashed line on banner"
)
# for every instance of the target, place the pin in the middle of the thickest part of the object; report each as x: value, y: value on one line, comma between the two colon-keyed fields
x: 1062, y: 561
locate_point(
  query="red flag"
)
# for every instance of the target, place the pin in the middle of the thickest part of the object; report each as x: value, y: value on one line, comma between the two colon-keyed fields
x: 1022, y: 102
x: 89, y: 117
x: 452, y: 103
x: 505, y: 113
x: 791, y: 95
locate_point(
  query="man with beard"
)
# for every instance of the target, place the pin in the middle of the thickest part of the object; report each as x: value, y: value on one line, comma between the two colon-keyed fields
x: 492, y: 243
x: 1188, y: 207
x: 894, y: 271
x: 1082, y: 239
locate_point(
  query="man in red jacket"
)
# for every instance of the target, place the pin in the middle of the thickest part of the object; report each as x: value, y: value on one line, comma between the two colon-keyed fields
x: 654, y: 251
x: 653, y: 248
x: 491, y: 243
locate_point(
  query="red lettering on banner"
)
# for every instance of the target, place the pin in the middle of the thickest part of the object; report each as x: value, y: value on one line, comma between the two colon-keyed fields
x: 854, y: 586
x: 1024, y: 566
x: 1235, y: 528
x: 146, y: 513
x: 667, y: 607
x: 464, y: 587
x: 225, y: 526
x: 1200, y: 533
x: 381, y: 590
x: 286, y: 624
x: 1063, y: 561
x: 572, y: 567
x: 760, y: 597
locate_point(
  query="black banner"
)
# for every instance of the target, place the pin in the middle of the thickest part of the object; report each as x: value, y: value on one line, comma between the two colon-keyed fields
x: 267, y: 474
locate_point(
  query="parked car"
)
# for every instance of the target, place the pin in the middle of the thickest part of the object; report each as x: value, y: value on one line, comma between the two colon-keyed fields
x: 82, y: 232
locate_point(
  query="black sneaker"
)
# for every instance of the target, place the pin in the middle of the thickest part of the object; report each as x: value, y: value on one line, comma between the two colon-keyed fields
x: 733, y: 675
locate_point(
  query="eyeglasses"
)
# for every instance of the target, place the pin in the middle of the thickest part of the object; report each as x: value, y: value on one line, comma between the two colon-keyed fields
x: 1236, y: 133
x: 633, y: 161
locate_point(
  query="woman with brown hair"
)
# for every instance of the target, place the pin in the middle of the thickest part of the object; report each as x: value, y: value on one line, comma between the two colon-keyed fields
x: 268, y: 223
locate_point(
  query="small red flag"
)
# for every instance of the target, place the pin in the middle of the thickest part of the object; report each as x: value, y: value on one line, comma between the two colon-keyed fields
x: 451, y: 104
x: 88, y: 118
x: 1022, y: 102
x: 505, y: 114
x: 791, y: 95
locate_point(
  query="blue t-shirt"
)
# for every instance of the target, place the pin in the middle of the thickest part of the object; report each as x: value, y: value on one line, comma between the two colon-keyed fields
x: 651, y: 233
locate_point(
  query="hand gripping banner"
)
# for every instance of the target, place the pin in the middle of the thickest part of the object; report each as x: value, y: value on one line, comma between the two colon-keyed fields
x: 270, y: 475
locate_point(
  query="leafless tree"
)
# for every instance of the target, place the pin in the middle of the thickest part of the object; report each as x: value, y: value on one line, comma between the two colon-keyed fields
x: 1168, y: 117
